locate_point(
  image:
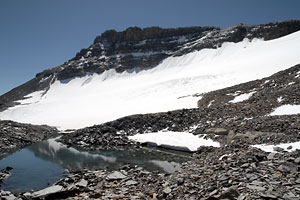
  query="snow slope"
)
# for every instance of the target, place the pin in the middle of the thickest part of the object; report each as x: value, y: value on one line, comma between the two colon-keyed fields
x: 95, y: 99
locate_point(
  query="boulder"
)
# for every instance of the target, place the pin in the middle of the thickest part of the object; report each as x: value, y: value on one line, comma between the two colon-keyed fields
x: 216, y: 131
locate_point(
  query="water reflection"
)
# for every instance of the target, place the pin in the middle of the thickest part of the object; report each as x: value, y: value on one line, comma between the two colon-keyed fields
x: 73, y: 159
x: 70, y: 158
x: 44, y: 163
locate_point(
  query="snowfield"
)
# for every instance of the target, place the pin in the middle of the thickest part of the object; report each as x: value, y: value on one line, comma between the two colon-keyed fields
x: 96, y: 99
x: 286, y: 110
x: 174, y: 140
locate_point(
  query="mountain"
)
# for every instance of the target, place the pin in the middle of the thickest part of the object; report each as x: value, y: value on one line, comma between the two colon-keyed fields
x: 151, y: 70
x: 234, y: 89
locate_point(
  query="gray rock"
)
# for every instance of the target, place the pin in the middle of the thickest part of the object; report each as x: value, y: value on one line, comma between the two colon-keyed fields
x: 241, y: 197
x: 167, y: 190
x: 10, y: 197
x: 290, y: 196
x: 180, y: 181
x: 288, y: 167
x: 278, y: 149
x: 82, y: 183
x: 130, y: 182
x: 297, y: 160
x: 271, y: 156
x: 231, y: 193
x: 255, y: 187
x: 259, y: 183
x: 246, y: 165
x: 268, y: 196
x: 216, y: 131
x: 116, y: 175
x: 50, y: 190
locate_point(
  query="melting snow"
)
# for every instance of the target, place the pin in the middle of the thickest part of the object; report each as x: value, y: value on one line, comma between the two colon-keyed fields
x: 113, y: 95
x: 174, y: 140
x: 286, y: 110
x: 279, y: 99
x: 210, y: 103
x: 242, y: 97
x: 270, y: 148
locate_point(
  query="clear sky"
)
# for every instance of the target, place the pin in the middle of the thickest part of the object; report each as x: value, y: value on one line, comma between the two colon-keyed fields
x: 36, y: 34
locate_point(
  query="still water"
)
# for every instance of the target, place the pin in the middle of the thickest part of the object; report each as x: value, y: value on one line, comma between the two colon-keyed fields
x: 44, y: 163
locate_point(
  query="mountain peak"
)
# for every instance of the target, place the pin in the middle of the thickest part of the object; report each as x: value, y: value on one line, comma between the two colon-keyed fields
x: 145, y: 48
x: 134, y: 34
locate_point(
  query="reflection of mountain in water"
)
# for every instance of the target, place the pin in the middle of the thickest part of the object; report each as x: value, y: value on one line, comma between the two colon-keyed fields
x: 73, y: 159
x: 69, y: 158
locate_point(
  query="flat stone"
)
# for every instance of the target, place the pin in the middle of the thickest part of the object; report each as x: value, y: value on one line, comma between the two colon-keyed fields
x: 241, y: 197
x: 259, y: 183
x: 216, y: 131
x: 255, y: 187
x: 271, y: 156
x: 290, y: 195
x: 278, y: 149
x: 167, y: 190
x: 288, y: 167
x: 50, y: 190
x: 130, y: 182
x: 82, y: 183
x: 246, y: 165
x: 10, y: 197
x: 115, y: 176
x: 269, y: 196
x: 297, y: 160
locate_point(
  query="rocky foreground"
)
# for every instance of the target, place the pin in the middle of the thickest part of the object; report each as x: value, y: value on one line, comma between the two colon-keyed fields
x: 231, y: 172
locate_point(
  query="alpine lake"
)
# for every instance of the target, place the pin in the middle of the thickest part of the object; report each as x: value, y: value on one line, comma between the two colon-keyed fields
x: 42, y: 164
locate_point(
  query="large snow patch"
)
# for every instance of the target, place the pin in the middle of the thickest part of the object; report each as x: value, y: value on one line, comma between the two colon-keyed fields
x: 174, y: 140
x: 96, y: 99
x: 286, y: 110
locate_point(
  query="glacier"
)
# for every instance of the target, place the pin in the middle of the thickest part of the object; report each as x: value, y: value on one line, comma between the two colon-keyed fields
x: 176, y: 83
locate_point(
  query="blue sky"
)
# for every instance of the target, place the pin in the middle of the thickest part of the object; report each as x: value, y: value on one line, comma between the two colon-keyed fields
x: 36, y: 35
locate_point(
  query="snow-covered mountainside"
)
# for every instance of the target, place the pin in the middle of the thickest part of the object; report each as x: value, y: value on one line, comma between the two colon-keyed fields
x: 151, y: 70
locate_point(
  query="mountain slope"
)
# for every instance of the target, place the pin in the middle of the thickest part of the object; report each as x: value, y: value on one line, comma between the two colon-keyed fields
x: 247, y: 120
x: 151, y: 70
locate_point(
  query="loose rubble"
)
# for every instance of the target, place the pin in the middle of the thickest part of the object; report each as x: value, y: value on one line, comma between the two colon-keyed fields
x: 232, y: 172
x: 14, y: 136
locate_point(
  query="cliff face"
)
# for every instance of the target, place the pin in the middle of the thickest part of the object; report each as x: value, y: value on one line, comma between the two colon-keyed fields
x: 143, y: 48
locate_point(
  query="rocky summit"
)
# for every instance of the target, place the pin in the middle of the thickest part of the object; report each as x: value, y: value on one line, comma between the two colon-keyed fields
x: 238, y: 117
